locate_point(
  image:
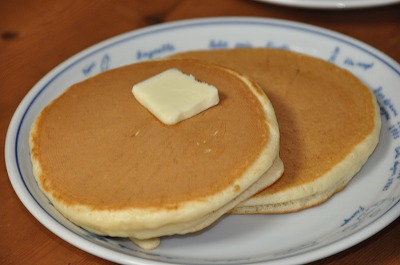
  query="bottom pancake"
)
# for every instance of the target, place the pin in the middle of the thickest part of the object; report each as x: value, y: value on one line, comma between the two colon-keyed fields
x: 269, y: 177
x: 329, y: 123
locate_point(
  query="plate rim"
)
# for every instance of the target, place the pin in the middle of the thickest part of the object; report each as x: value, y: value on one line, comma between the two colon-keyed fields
x: 103, y: 252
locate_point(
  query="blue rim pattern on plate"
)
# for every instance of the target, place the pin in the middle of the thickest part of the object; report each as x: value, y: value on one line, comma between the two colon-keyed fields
x: 170, y: 27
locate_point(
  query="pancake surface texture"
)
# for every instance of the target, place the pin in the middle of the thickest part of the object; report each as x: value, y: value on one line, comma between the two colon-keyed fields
x: 329, y: 123
x: 111, y: 167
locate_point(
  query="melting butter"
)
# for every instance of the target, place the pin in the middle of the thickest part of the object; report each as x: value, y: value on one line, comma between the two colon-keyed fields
x: 173, y: 96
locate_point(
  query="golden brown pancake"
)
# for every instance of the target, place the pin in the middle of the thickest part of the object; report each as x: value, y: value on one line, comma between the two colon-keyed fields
x: 111, y: 167
x: 329, y: 124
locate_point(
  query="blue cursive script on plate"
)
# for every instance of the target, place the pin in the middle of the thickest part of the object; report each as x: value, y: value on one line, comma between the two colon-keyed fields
x: 387, y: 108
x: 154, y: 52
x: 97, y: 66
x: 349, y: 61
x: 224, y: 44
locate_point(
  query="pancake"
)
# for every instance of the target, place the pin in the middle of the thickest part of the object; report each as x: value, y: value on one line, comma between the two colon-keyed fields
x: 329, y: 124
x: 111, y: 167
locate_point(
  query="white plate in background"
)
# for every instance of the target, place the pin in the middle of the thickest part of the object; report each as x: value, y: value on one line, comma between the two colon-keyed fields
x: 332, y: 4
x: 369, y: 203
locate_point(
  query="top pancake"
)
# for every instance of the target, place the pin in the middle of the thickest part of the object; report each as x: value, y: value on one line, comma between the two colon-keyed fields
x: 329, y: 122
x: 96, y: 147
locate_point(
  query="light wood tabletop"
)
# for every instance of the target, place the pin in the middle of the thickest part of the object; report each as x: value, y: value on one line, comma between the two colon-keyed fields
x: 36, y: 36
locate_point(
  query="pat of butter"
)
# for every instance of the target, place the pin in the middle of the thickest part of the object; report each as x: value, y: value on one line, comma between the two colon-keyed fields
x: 173, y: 96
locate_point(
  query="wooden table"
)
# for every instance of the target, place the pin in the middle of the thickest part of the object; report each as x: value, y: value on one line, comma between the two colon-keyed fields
x: 36, y: 36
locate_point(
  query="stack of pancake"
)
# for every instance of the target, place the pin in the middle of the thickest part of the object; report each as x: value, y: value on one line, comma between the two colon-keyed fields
x: 110, y: 166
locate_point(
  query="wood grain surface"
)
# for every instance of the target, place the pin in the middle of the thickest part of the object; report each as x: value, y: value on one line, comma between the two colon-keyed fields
x: 36, y: 36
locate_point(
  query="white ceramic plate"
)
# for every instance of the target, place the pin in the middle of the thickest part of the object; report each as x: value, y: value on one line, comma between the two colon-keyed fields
x: 332, y: 4
x: 371, y: 201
